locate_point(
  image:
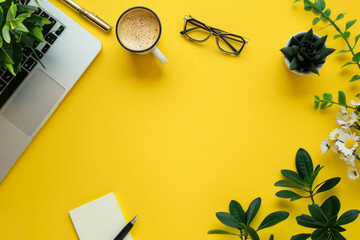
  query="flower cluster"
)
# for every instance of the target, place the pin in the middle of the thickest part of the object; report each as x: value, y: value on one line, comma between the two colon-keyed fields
x: 344, y: 139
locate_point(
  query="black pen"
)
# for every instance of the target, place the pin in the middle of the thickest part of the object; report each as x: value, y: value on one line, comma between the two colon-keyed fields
x: 126, y: 229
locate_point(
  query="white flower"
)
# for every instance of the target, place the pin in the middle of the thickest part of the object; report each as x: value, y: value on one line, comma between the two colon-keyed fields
x: 353, y: 173
x: 336, y: 133
x: 325, y: 145
x: 343, y: 110
x: 346, y: 120
x: 335, y: 148
x: 354, y: 103
x: 349, y: 160
x: 347, y: 143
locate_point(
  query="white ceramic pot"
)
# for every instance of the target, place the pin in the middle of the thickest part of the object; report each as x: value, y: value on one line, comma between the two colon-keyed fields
x: 287, y: 62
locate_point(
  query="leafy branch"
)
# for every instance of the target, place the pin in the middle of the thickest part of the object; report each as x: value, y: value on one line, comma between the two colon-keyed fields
x: 327, y: 101
x: 303, y: 180
x: 324, y: 219
x: 319, y: 8
x: 240, y: 220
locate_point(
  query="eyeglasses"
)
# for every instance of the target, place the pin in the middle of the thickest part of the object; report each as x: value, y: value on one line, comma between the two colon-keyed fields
x: 197, y: 31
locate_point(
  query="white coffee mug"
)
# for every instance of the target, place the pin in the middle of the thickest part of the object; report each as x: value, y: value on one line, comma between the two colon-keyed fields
x: 152, y: 48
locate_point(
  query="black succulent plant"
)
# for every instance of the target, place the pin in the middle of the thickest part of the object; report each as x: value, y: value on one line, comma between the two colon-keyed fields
x: 307, y: 52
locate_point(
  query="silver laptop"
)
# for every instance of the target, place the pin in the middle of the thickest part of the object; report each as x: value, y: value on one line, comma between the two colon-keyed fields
x: 28, y: 99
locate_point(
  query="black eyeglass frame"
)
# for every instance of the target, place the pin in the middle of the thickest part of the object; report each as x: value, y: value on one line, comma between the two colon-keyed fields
x: 220, y: 34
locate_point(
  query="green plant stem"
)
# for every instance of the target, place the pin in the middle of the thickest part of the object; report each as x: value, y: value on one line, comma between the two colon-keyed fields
x: 337, y: 29
x: 331, y: 103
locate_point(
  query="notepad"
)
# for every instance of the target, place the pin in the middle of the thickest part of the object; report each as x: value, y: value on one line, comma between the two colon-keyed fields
x: 100, y: 219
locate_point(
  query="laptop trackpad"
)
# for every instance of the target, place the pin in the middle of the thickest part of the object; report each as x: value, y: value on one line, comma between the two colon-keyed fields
x: 33, y: 102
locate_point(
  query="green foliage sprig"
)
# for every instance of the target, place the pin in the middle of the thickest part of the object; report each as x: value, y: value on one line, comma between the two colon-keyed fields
x: 240, y: 220
x: 318, y: 7
x: 324, y: 219
x: 303, y: 180
x: 19, y: 29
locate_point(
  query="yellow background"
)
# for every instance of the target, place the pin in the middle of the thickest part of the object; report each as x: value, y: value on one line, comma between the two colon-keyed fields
x: 176, y: 143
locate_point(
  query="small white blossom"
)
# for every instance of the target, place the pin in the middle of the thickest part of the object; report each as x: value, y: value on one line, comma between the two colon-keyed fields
x: 354, y: 103
x: 325, y: 145
x: 346, y: 120
x: 353, y: 173
x: 336, y: 133
x: 349, y: 159
x: 347, y: 143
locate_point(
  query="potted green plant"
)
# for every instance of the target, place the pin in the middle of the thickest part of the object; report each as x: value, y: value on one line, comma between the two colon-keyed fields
x: 305, y: 53
x: 20, y: 29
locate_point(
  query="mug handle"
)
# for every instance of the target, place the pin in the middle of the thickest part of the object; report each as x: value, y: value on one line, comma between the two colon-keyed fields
x: 159, y: 55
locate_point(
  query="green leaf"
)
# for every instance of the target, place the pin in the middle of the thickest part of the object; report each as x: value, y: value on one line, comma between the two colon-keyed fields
x: 273, y: 219
x: 355, y: 78
x: 252, y: 233
x: 319, y: 233
x: 349, y: 24
x: 228, y: 220
x: 307, y: 5
x: 313, y: 68
x: 284, y: 183
x: 10, y: 67
x: 316, y: 21
x: 11, y: 12
x: 316, y: 105
x: 288, y: 194
x: 356, y: 41
x: 337, y: 235
x: 328, y: 97
x: 271, y: 237
x: 5, y: 57
x: 19, y: 26
x: 316, y: 172
x: 327, y: 12
x: 336, y: 36
x: 328, y: 184
x: 343, y: 51
x: 219, y: 231
x: 6, y: 32
x: 35, y: 32
x: 290, y: 52
x: 323, y: 105
x: 308, y: 221
x: 356, y: 57
x: 317, y: 213
x: 302, y: 236
x: 347, y: 217
x: 252, y: 210
x: 304, y: 165
x: 347, y: 34
x: 317, y: 98
x: 340, y: 16
x: 331, y: 206
x: 320, y: 4
x: 295, y: 63
x: 342, y: 98
x: 347, y: 64
x: 37, y: 19
x: 320, y: 43
x: 293, y: 176
x: 237, y: 211
x: 1, y: 15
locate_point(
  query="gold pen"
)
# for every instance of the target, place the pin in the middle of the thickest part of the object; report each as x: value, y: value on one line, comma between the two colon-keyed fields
x: 91, y: 16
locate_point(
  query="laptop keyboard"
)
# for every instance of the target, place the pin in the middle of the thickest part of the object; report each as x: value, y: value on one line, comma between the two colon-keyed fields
x: 8, y: 82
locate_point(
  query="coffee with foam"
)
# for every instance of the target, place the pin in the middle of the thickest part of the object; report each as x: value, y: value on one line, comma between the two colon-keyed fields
x: 138, y: 29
